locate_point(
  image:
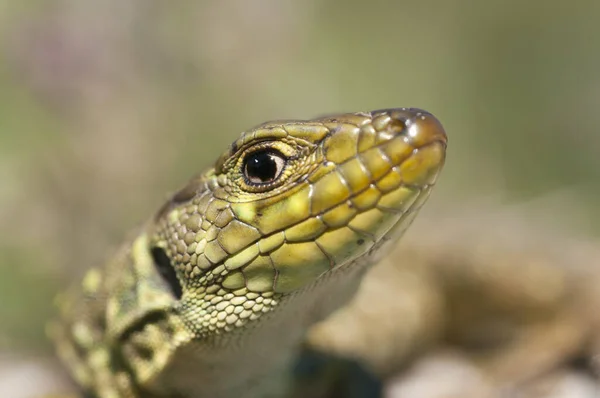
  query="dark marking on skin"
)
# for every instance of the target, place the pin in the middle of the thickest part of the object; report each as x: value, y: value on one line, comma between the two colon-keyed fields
x: 234, y: 147
x: 164, y: 209
x: 144, y: 352
x: 186, y: 194
x: 360, y: 242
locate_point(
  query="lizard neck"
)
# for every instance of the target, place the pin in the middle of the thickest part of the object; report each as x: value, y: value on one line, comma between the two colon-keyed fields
x: 257, y: 361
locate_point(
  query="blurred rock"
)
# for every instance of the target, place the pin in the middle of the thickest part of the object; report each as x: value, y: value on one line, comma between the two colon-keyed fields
x: 562, y: 384
x: 441, y: 375
x: 29, y: 378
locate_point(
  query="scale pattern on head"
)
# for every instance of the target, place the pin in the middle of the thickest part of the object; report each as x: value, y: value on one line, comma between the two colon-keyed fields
x: 288, y: 202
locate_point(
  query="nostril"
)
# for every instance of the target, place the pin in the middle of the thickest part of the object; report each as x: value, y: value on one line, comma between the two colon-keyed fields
x: 397, y: 126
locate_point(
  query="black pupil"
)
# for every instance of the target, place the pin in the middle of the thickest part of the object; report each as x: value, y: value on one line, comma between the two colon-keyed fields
x: 261, y: 166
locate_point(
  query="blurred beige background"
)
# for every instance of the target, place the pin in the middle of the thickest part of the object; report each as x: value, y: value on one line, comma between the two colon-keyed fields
x: 106, y: 106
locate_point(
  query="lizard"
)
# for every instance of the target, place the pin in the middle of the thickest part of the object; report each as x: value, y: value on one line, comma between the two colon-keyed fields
x: 213, y: 295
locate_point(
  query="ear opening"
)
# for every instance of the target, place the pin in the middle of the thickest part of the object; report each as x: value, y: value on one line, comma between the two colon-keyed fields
x: 166, y: 270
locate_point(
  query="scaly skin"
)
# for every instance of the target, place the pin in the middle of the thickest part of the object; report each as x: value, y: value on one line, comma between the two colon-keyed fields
x: 213, y: 296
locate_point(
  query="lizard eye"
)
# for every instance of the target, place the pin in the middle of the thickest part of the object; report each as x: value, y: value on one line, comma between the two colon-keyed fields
x: 263, y: 166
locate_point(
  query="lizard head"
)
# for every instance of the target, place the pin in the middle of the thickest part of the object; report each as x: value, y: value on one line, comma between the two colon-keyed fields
x: 289, y: 202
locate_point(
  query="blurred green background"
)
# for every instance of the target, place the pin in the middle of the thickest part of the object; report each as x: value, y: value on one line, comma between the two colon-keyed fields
x: 106, y: 106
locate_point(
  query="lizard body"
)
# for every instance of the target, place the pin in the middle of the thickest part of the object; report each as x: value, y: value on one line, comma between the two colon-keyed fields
x: 212, y: 297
